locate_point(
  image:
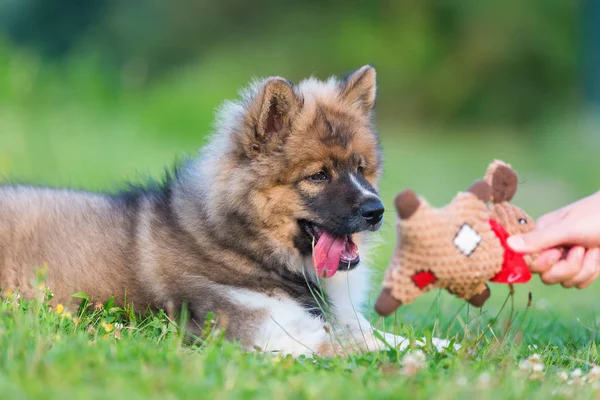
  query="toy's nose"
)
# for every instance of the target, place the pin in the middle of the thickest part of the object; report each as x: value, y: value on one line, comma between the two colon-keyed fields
x: 372, y: 211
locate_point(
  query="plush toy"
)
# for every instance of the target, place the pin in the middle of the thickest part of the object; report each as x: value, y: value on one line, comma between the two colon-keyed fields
x: 458, y: 247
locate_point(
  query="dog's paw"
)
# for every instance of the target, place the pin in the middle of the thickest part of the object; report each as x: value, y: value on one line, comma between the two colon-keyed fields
x: 440, y: 345
x: 443, y: 344
x: 401, y: 343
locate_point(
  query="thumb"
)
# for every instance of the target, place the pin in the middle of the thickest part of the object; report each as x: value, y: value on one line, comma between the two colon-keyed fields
x: 538, y: 240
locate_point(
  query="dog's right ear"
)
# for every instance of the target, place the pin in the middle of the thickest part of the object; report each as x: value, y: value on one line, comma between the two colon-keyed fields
x: 273, y: 111
x: 360, y: 87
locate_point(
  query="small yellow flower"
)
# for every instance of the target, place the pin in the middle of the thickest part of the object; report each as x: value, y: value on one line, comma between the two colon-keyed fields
x: 66, y: 315
x: 9, y: 292
x: 107, y: 327
x: 59, y: 309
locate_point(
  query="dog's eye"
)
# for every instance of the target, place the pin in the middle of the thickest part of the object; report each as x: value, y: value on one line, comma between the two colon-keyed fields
x: 522, y: 221
x: 360, y: 170
x: 318, y: 177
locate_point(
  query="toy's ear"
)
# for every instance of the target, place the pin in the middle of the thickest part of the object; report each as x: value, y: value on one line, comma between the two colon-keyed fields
x: 481, y: 190
x: 407, y: 204
x: 503, y: 180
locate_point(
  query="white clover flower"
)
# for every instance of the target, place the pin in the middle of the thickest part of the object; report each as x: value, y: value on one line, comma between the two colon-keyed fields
x: 563, y: 376
x: 412, y: 362
x: 535, y: 359
x: 462, y: 381
x: 525, y: 366
x: 532, y: 367
x: 537, y: 372
x: 484, y: 380
x: 594, y: 374
x: 538, y: 368
x: 577, y: 378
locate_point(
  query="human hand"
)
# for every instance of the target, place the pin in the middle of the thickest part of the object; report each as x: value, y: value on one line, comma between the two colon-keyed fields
x: 568, y: 241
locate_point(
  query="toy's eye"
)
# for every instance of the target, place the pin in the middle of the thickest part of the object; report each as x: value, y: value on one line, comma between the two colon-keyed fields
x: 522, y: 221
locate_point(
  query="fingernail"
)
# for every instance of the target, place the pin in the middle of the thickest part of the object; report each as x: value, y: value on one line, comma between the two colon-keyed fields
x: 516, y: 243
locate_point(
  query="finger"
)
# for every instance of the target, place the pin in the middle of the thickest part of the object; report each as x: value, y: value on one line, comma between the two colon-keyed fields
x: 594, y: 276
x: 565, y: 269
x: 546, y: 260
x: 589, y: 267
x: 540, y: 239
x: 549, y: 219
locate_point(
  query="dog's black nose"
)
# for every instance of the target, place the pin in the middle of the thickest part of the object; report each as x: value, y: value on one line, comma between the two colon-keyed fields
x: 372, y: 211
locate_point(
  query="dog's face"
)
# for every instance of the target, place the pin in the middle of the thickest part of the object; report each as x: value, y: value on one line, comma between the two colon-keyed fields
x: 336, y: 163
x: 315, y: 160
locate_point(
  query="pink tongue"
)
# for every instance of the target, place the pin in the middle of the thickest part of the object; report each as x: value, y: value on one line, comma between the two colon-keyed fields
x: 328, y: 252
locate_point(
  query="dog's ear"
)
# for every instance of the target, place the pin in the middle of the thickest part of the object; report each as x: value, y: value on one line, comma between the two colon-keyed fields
x: 277, y: 104
x: 360, y: 87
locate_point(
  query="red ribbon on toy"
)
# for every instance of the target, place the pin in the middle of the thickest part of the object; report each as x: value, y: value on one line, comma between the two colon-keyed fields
x: 514, y: 268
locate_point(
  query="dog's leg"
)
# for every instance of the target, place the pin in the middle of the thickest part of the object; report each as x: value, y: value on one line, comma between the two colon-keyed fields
x: 283, y: 326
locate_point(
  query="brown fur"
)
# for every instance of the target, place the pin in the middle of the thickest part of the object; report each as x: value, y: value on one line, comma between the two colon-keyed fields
x: 427, y: 241
x: 226, y: 219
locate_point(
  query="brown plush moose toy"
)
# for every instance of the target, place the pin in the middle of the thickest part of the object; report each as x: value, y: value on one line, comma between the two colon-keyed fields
x: 458, y: 247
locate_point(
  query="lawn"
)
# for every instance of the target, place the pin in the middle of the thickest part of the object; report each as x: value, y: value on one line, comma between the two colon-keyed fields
x: 60, y: 128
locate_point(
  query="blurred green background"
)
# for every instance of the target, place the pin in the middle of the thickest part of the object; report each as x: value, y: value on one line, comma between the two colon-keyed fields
x: 93, y: 93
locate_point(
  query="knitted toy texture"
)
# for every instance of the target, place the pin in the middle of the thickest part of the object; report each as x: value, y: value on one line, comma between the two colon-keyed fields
x: 458, y: 247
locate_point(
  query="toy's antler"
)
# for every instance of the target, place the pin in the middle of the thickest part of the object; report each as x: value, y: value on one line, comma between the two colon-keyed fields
x: 503, y: 180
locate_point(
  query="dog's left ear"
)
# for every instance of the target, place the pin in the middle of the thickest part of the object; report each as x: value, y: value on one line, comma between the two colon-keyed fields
x: 277, y: 106
x: 360, y: 87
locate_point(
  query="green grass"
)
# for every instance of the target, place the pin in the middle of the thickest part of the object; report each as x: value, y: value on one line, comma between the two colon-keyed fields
x: 72, y: 126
